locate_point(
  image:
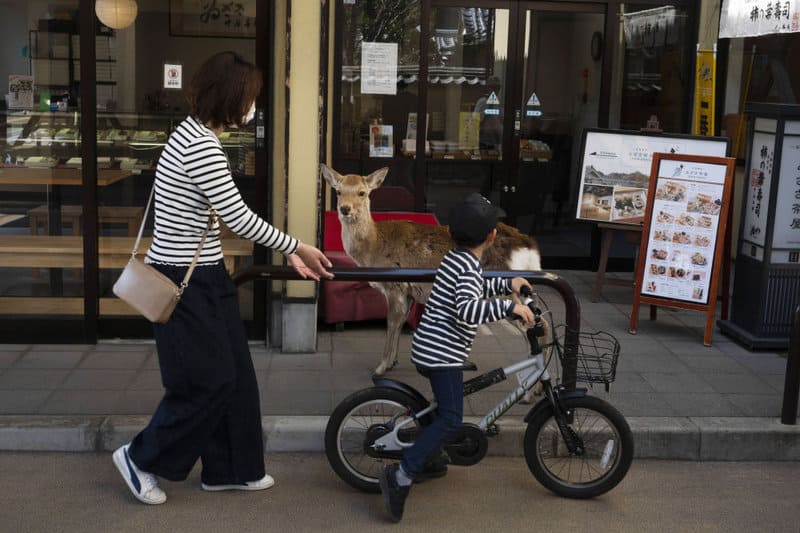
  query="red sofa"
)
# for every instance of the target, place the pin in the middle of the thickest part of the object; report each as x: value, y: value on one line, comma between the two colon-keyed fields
x: 348, y: 301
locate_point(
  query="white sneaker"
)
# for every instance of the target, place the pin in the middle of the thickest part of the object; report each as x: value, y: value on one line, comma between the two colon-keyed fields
x: 144, y: 486
x: 260, y: 484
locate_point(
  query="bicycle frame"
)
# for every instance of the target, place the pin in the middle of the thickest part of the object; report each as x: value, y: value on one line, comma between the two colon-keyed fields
x: 528, y: 372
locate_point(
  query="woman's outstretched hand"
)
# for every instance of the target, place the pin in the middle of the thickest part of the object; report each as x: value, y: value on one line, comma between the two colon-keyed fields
x: 310, y: 262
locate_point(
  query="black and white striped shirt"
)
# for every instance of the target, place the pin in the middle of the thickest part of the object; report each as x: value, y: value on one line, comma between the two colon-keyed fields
x: 192, y: 178
x: 457, y: 305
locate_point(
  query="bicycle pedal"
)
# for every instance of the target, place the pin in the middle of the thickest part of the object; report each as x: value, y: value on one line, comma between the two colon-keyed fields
x: 493, y: 430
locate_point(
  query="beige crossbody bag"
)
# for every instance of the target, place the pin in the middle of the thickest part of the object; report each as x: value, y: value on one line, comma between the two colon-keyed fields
x: 146, y: 289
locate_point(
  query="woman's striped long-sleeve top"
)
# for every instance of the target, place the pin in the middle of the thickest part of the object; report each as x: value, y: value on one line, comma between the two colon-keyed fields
x: 193, y: 178
x: 457, y: 305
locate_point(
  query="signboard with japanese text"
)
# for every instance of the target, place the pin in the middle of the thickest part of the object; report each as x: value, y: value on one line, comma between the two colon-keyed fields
x: 748, y: 18
x: 759, y: 182
x: 683, y: 237
x: 650, y: 28
x: 786, y: 231
x: 706, y: 69
x: 218, y: 18
x: 615, y: 170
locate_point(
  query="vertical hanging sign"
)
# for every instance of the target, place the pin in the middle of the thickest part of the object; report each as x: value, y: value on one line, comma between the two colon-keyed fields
x: 706, y: 66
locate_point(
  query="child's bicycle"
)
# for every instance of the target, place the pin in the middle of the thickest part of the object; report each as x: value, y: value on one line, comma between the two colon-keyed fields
x: 576, y: 445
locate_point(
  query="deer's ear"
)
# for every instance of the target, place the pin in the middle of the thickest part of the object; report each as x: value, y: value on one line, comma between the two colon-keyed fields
x: 375, y: 179
x: 331, y: 176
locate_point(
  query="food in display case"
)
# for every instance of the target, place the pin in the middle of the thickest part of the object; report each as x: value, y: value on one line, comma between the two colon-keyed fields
x: 41, y: 161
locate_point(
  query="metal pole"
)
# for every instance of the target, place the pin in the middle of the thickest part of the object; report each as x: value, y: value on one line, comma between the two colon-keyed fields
x: 791, y: 386
x: 559, y: 284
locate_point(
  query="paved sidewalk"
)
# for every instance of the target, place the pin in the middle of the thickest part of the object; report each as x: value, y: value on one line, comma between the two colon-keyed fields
x: 683, y: 400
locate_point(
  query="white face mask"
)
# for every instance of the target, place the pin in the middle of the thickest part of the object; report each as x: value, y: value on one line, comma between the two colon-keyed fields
x: 250, y: 114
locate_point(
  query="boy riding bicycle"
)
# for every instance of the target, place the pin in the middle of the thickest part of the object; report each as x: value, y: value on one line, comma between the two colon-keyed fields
x: 460, y: 301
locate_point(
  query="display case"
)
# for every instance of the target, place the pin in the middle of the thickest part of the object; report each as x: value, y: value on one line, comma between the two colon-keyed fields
x: 127, y: 141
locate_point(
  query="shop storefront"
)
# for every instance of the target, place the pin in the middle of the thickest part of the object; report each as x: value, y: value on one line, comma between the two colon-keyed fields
x: 761, y: 114
x: 507, y: 89
x: 93, y: 93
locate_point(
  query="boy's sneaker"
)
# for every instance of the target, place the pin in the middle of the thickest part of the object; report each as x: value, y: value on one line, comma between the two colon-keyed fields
x: 394, y: 494
x: 143, y: 485
x: 260, y: 484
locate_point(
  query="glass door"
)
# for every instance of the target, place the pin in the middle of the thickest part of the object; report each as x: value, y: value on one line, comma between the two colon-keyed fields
x: 556, y: 95
x: 511, y: 87
x: 468, y: 127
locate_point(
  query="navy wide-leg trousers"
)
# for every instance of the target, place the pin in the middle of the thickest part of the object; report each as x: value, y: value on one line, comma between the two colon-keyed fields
x: 210, y: 409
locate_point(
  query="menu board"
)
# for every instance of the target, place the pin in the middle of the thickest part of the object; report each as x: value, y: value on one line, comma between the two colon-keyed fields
x: 615, y: 170
x: 683, y: 235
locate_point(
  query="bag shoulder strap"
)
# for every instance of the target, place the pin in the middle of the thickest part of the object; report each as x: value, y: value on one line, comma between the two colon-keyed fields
x: 188, y: 275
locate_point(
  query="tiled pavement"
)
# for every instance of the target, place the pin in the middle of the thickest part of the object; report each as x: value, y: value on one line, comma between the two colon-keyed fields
x: 664, y: 370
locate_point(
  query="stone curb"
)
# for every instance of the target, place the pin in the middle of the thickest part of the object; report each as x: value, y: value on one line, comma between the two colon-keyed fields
x: 676, y: 438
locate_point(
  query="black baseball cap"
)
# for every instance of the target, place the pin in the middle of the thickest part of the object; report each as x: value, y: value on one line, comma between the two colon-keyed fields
x: 473, y: 219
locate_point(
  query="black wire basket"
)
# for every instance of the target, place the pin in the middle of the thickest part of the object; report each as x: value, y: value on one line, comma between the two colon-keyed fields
x: 593, y: 356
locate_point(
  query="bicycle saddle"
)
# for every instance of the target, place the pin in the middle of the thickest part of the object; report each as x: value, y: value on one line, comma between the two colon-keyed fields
x: 466, y: 366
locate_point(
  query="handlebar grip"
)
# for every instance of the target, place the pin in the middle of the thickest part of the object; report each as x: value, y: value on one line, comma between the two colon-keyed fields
x: 526, y: 291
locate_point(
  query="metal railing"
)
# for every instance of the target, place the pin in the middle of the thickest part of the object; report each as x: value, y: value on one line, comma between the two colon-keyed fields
x: 791, y: 386
x: 560, y: 285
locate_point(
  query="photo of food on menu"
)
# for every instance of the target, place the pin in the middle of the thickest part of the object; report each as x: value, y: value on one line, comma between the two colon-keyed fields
x: 682, y: 236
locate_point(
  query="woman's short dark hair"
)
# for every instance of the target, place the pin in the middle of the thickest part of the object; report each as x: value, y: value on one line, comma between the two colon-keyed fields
x: 222, y: 90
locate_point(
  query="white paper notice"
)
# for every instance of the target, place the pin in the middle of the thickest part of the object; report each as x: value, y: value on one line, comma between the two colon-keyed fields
x: 378, y: 68
x: 173, y: 76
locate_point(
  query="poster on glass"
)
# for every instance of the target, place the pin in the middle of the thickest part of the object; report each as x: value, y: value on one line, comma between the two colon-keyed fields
x: 615, y: 170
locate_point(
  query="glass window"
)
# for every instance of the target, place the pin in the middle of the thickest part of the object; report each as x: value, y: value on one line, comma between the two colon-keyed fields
x: 377, y: 115
x: 41, y: 247
x: 655, y: 65
x: 142, y: 71
x: 466, y: 97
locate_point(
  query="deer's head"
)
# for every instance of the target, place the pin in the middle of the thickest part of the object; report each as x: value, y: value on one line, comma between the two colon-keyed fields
x: 352, y: 192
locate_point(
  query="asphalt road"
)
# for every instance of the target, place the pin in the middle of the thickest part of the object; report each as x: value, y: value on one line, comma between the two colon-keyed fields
x: 84, y: 493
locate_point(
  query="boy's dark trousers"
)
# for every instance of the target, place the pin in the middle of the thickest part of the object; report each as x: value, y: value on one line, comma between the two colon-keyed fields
x: 210, y: 408
x: 447, y: 385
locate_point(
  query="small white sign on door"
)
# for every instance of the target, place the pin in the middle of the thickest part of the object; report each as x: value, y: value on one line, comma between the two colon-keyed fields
x: 173, y: 76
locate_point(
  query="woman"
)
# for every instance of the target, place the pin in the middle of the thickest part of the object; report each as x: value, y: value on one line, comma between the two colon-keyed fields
x: 210, y: 409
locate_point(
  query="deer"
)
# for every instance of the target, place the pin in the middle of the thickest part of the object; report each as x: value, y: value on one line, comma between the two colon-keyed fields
x: 406, y: 244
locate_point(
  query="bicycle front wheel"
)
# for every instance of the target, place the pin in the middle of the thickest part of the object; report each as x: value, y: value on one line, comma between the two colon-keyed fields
x: 603, y: 461
x: 356, y: 423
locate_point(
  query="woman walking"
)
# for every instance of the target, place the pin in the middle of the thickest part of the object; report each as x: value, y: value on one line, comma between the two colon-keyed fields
x: 210, y: 409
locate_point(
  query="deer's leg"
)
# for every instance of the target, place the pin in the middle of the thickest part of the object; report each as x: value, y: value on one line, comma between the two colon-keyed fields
x: 397, y: 304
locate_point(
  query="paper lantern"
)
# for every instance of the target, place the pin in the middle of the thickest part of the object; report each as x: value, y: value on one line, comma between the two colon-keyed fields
x: 116, y: 14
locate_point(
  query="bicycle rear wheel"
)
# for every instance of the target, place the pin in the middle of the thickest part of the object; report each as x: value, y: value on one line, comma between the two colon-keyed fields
x: 353, y: 427
x: 604, y: 460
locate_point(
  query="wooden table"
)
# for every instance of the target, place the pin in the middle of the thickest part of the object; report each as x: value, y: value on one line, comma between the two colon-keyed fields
x: 66, y: 251
x: 14, y: 175
x: 55, y: 178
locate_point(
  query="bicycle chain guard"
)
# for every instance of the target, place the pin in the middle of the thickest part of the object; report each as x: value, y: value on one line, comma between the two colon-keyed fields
x: 470, y: 447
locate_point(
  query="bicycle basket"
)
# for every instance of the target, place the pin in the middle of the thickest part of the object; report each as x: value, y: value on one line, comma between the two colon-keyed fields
x: 593, y: 356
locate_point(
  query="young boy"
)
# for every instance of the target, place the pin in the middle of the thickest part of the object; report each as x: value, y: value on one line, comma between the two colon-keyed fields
x: 458, y: 304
